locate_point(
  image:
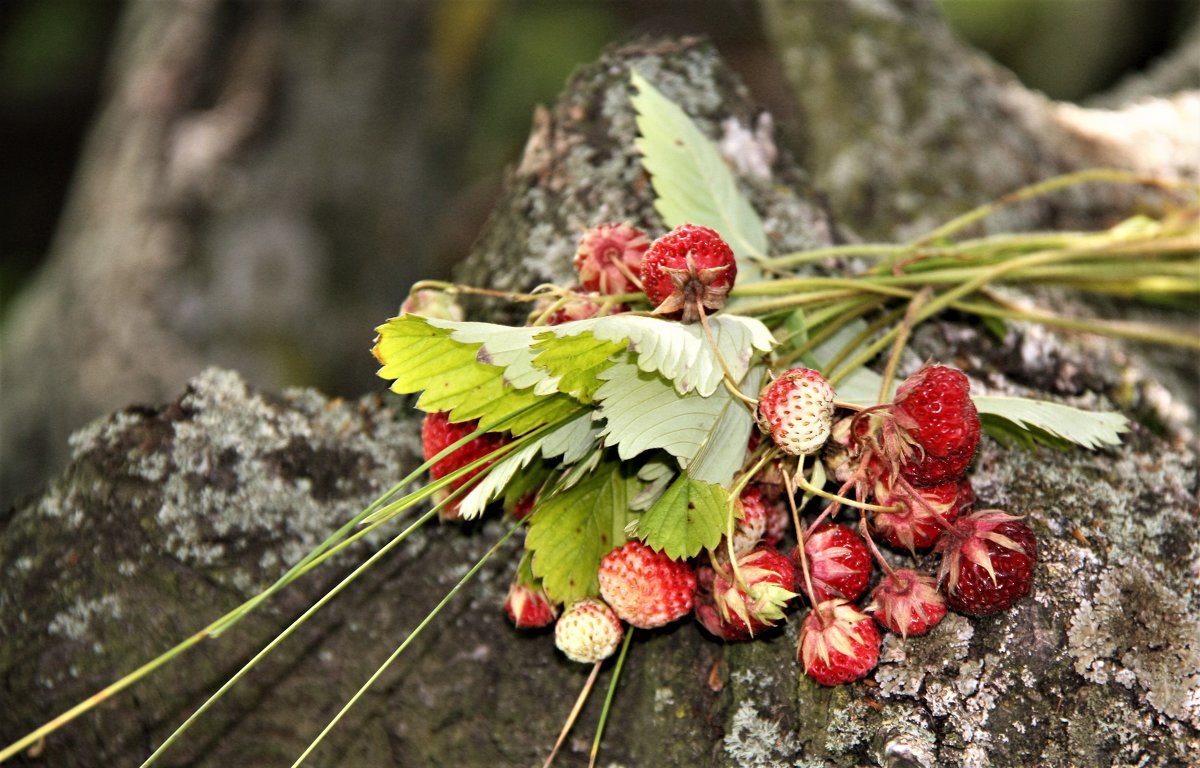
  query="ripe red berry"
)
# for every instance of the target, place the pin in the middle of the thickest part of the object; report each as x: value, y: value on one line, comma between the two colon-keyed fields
x: 588, y: 631
x: 437, y: 434
x: 769, y: 577
x: 907, y: 602
x: 688, y: 265
x: 576, y: 307
x: 934, y: 408
x: 750, y: 528
x: 914, y: 525
x: 528, y: 607
x: 646, y: 588
x: 838, y: 562
x: 609, y: 258
x: 838, y: 644
x: 987, y: 562
x: 797, y: 409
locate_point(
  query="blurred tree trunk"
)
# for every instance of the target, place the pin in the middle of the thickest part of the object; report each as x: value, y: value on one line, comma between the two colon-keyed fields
x: 262, y: 183
x: 168, y: 516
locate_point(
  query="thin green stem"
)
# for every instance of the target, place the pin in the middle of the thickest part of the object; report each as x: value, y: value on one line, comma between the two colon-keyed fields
x: 799, y: 258
x: 608, y: 698
x: 412, y: 636
x: 312, y: 609
x: 906, y: 326
x: 1091, y: 175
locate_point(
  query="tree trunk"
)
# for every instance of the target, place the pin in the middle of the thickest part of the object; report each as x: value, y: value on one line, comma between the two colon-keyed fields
x: 166, y: 517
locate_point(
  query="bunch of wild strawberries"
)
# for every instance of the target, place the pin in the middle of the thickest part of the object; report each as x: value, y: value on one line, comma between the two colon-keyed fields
x: 901, y: 467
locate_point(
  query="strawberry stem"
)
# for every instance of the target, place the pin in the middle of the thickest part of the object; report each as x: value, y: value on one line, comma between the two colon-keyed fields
x: 808, y: 487
x: 574, y: 714
x: 865, y: 530
x: 790, y: 486
x: 906, y: 326
x: 727, y: 376
x: 608, y: 698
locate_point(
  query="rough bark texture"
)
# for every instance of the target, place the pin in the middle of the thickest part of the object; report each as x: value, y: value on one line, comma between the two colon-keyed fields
x: 169, y: 516
x: 904, y: 125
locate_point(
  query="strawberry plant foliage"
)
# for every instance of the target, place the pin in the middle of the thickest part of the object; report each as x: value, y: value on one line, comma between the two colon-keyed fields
x: 688, y: 517
x: 631, y: 425
x: 572, y: 530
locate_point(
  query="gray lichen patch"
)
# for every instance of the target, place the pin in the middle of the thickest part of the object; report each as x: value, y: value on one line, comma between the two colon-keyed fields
x: 1136, y: 633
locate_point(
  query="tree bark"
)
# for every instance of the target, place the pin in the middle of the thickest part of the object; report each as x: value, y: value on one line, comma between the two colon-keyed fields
x: 168, y: 516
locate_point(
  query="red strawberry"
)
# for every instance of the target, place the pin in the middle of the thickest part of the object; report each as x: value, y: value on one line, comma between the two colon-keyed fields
x: 987, y: 562
x: 688, y: 265
x: 528, y: 607
x: 646, y: 588
x: 907, y: 602
x: 934, y: 407
x: 914, y: 526
x: 437, y: 434
x: 609, y: 258
x: 838, y: 562
x: 588, y: 631
x: 582, y: 309
x: 751, y: 527
x: 769, y: 577
x: 797, y: 409
x: 838, y: 644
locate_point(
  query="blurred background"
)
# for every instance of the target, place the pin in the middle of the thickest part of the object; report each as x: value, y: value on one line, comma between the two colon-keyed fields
x: 385, y: 198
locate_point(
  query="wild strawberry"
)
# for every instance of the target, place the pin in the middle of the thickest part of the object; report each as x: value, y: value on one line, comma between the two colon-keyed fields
x: 434, y: 304
x: 750, y: 528
x: 437, y: 434
x: 528, y: 607
x: 588, y: 631
x: 838, y: 562
x: 838, y: 644
x: 769, y: 577
x: 688, y: 265
x: 914, y: 525
x: 934, y: 407
x: 646, y: 588
x: 572, y: 307
x: 797, y: 409
x: 987, y: 562
x: 907, y: 602
x: 609, y: 258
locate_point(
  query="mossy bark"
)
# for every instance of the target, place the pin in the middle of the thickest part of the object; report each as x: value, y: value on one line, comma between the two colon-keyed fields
x: 168, y: 516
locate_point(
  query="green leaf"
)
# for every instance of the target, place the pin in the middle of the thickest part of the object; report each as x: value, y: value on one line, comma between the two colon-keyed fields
x: 644, y: 412
x: 1005, y: 417
x: 572, y: 530
x: 688, y: 517
x: 577, y: 362
x: 691, y: 180
x: 679, y: 352
x: 420, y: 356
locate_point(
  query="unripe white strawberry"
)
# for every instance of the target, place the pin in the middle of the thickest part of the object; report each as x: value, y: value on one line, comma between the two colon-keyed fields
x: 588, y: 631
x: 797, y: 409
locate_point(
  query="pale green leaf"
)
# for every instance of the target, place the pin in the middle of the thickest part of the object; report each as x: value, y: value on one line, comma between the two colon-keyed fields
x: 724, y: 450
x: 570, y: 440
x: 644, y: 412
x: 679, y: 352
x: 692, y: 182
x: 572, y: 530
x: 688, y: 517
x: 1090, y: 429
